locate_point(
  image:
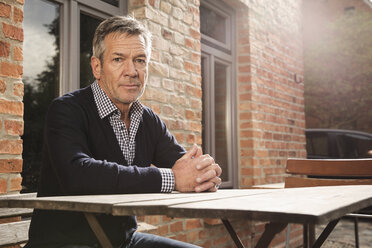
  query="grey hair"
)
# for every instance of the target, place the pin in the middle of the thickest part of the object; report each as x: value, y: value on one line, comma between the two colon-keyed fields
x: 122, y: 25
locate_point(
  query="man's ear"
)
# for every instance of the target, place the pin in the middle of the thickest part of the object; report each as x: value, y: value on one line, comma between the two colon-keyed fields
x: 95, y: 63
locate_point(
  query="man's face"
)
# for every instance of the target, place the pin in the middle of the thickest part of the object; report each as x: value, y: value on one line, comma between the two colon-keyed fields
x: 123, y: 74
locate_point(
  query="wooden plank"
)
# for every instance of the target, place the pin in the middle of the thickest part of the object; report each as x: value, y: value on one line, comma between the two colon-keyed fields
x: 12, y: 212
x: 330, y: 167
x: 268, y: 186
x: 159, y: 206
x: 14, y: 233
x: 315, y: 205
x: 294, y: 182
x: 99, y: 203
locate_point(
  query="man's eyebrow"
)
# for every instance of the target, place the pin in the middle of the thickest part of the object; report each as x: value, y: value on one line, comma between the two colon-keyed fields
x: 118, y: 54
x: 122, y: 55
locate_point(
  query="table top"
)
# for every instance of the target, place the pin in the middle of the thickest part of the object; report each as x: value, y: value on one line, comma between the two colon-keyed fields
x: 315, y: 205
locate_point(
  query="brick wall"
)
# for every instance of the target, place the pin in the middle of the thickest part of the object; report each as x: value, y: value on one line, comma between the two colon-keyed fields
x: 270, y: 102
x: 11, y: 93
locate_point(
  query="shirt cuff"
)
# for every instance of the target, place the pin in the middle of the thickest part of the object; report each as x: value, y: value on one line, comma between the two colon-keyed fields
x: 167, y: 183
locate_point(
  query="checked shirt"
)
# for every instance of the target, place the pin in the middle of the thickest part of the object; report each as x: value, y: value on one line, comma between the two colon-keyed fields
x: 127, y: 140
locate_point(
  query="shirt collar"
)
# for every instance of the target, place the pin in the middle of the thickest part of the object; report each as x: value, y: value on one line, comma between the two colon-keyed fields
x: 106, y: 107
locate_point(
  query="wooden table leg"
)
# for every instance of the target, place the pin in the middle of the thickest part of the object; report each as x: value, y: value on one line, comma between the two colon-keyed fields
x: 98, y: 231
x: 271, y: 229
x: 232, y: 233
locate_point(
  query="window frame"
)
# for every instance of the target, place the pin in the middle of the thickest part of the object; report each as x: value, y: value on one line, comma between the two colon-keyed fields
x: 212, y: 52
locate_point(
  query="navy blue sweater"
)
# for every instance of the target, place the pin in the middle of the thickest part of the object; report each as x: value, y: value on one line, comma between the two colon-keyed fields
x: 82, y: 156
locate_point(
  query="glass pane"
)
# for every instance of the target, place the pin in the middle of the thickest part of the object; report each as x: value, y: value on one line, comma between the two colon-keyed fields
x: 88, y: 26
x: 112, y: 2
x: 41, y: 50
x: 212, y: 24
x: 220, y: 101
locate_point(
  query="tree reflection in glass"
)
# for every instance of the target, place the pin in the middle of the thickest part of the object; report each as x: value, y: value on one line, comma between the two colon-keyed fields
x: 41, y: 81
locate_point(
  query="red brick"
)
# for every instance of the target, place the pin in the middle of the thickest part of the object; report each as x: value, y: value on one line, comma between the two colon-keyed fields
x: 11, y: 147
x: 4, y: 49
x: 195, y: 34
x: 2, y: 86
x: 176, y: 227
x: 180, y: 137
x: 5, y: 10
x: 11, y: 107
x: 11, y: 70
x: 163, y: 230
x: 17, y: 15
x: 18, y: 53
x: 168, y: 111
x: 3, y: 185
x: 18, y: 90
x: 192, y: 237
x: 15, y: 184
x: 13, y: 32
x: 13, y: 127
x: 193, y: 224
x: 10, y: 165
x: 188, y: 66
x: 189, y: 43
x: 191, y: 139
x: 154, y: 220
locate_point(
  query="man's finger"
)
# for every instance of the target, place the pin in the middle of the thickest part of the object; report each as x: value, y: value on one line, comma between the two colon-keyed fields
x: 204, y: 187
x: 199, y: 152
x: 204, y: 161
x: 218, y: 169
x: 206, y: 176
x: 191, y: 153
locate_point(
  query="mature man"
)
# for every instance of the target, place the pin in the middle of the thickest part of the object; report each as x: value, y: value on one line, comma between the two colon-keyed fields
x: 102, y: 140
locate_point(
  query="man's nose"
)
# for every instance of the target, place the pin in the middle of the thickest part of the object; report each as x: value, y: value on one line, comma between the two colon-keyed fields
x: 130, y: 69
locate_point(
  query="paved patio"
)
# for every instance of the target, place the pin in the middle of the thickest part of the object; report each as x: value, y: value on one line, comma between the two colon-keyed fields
x: 343, y: 235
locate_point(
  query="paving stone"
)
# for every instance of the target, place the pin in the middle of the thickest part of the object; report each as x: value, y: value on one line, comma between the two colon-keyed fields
x: 343, y: 234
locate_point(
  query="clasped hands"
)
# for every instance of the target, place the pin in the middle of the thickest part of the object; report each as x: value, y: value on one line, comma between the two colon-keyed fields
x: 196, y: 172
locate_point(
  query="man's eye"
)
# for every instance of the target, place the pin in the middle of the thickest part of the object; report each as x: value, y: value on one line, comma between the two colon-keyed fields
x: 140, y: 61
x: 117, y: 59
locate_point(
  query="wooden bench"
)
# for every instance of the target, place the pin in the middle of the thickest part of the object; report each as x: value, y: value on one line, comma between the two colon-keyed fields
x: 329, y: 172
x: 15, y: 233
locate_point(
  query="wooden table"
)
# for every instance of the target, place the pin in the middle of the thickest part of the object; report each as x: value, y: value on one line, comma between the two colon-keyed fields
x: 316, y: 205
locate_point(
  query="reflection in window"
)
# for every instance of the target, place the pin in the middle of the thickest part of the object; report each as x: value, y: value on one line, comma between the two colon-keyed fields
x: 41, y: 80
x: 317, y: 145
x: 212, y: 24
x: 88, y: 26
x: 220, y: 91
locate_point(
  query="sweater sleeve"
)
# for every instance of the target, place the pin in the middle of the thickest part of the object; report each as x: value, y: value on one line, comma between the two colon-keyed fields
x: 74, y: 166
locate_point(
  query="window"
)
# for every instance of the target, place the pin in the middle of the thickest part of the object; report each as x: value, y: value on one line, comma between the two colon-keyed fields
x: 219, y: 87
x: 57, y: 50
